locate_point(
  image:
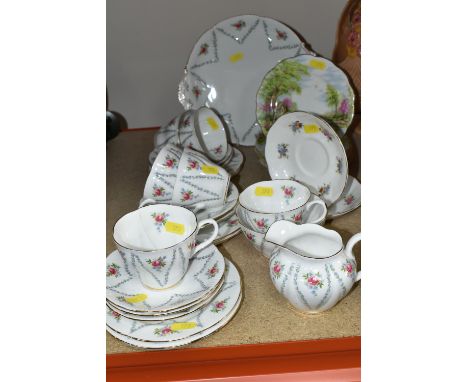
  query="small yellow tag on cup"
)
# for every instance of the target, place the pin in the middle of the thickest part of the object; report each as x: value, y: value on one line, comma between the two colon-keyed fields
x: 137, y: 298
x: 212, y: 123
x: 264, y: 191
x: 311, y: 129
x: 236, y: 57
x: 183, y: 325
x: 317, y: 64
x: 176, y: 228
x: 211, y: 170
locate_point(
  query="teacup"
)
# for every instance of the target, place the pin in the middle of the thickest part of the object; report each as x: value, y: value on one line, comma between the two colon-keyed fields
x: 158, y: 241
x: 162, y: 178
x: 186, y: 132
x: 199, y: 181
x: 264, y: 203
x: 209, y: 129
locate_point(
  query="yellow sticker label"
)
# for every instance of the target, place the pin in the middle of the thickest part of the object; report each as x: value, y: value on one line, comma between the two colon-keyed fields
x: 317, y: 64
x: 183, y: 325
x: 264, y: 191
x: 212, y: 170
x: 137, y: 298
x: 212, y: 123
x: 177, y: 228
x: 311, y: 129
x: 236, y: 57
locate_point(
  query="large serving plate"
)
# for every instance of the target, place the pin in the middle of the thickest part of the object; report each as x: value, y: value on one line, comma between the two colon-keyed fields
x: 226, y: 67
x: 303, y: 147
x: 124, y: 289
x: 306, y: 83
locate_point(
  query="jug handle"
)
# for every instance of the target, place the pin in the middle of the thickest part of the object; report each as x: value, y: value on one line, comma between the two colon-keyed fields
x: 349, y: 250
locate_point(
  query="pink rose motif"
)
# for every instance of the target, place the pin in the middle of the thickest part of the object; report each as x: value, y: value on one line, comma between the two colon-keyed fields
x: 156, y: 263
x: 166, y: 330
x: 213, y: 271
x: 344, y: 107
x: 159, y: 218
x: 349, y: 268
x: 112, y: 271
x: 220, y: 305
x: 169, y: 163
x: 193, y: 164
x: 115, y: 314
x: 260, y: 224
x: 249, y: 236
x: 157, y: 192
x: 298, y: 217
x: 186, y: 196
x: 313, y: 280
x: 287, y: 191
x: 277, y: 268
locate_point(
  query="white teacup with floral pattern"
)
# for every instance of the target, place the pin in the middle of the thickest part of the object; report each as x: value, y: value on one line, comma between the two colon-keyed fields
x: 309, y: 265
x: 210, y: 132
x: 264, y: 203
x: 157, y: 241
x: 186, y: 132
x: 200, y: 182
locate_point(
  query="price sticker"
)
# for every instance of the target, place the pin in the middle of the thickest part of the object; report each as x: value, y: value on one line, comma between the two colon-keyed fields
x: 176, y: 228
x: 264, y: 191
x: 137, y: 298
x: 183, y: 325
x: 212, y: 123
x: 311, y: 129
x: 317, y: 64
x: 236, y: 57
x: 211, y: 170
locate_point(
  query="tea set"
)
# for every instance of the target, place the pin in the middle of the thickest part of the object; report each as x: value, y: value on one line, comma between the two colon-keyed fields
x: 248, y: 78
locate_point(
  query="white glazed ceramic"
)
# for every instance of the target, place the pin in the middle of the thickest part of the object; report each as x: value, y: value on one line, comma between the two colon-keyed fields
x: 307, y: 83
x: 350, y: 199
x: 222, y: 211
x: 228, y: 228
x: 234, y: 165
x: 209, y: 129
x: 263, y: 203
x: 199, y: 180
x: 167, y: 134
x: 228, y: 157
x: 303, y: 147
x: 185, y: 326
x: 158, y: 241
x: 186, y: 132
x: 124, y: 289
x: 226, y: 67
x: 160, y: 183
x: 309, y: 265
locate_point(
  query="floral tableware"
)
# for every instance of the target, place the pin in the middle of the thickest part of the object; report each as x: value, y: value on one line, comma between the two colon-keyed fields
x: 222, y: 211
x: 226, y: 67
x: 228, y: 228
x: 127, y: 292
x: 303, y: 147
x: 188, y: 325
x: 186, y: 132
x: 158, y: 241
x: 209, y: 129
x: 309, y: 265
x: 200, y: 181
x: 307, y: 83
x: 350, y: 199
x: 234, y: 165
x: 160, y: 183
x: 167, y: 134
x: 263, y: 203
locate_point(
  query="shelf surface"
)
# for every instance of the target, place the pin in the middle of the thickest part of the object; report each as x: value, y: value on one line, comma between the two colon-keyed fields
x: 264, y: 316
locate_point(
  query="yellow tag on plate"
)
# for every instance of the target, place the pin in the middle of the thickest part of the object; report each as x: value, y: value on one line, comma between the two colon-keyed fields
x: 137, y: 298
x: 236, y: 57
x: 311, y: 129
x: 211, y: 121
x: 183, y: 325
x: 317, y: 64
x: 212, y: 170
x: 177, y: 228
x: 264, y: 191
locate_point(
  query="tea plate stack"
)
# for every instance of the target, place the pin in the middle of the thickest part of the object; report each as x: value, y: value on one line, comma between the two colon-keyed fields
x: 205, y: 300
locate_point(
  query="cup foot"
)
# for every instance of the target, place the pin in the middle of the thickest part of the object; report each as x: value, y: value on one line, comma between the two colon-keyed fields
x: 151, y: 288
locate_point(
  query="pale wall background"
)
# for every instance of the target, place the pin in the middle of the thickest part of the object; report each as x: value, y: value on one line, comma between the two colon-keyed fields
x: 148, y: 43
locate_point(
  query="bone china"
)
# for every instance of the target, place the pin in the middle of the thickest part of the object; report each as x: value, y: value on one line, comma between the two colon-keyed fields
x: 159, y: 240
x: 211, y: 134
x: 263, y: 203
x: 309, y: 265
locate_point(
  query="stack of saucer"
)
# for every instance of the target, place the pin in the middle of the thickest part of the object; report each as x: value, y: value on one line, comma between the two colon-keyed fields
x: 188, y: 178
x: 201, y: 130
x: 167, y: 284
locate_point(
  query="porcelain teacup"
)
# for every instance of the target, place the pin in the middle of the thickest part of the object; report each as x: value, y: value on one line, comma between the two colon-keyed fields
x: 309, y: 265
x: 161, y: 180
x: 266, y: 202
x: 209, y: 129
x: 158, y: 241
x: 186, y: 132
x: 200, y: 182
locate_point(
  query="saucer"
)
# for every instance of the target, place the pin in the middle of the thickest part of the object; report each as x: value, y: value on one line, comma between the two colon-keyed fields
x: 350, y: 199
x: 185, y: 341
x: 219, y: 212
x: 185, y: 326
x: 303, y: 147
x: 234, y: 165
x: 228, y: 227
x: 124, y: 289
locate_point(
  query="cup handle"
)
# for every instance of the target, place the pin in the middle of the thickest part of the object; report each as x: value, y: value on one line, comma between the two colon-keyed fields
x: 322, y: 203
x: 349, y: 250
x: 198, y: 207
x: 208, y: 241
x: 146, y: 202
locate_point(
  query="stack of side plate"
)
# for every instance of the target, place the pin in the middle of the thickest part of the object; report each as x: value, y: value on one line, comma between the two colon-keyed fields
x: 205, y: 300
